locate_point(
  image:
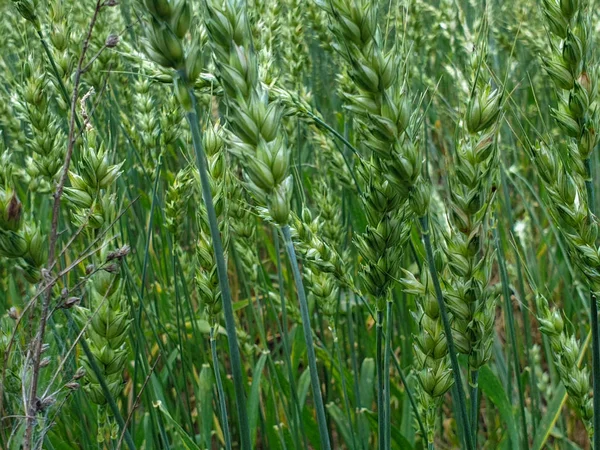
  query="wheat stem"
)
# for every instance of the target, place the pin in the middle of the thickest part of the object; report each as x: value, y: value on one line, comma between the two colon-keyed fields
x: 589, y: 186
x: 234, y: 351
x: 512, y: 336
x: 220, y: 390
x: 462, y: 404
x: 310, y: 349
x: 381, y: 419
x: 474, y: 404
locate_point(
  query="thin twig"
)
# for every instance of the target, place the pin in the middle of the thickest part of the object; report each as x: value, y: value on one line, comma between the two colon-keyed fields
x: 48, y: 285
x: 137, y: 402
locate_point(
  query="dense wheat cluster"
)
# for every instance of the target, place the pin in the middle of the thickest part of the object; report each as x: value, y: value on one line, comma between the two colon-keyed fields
x: 299, y: 224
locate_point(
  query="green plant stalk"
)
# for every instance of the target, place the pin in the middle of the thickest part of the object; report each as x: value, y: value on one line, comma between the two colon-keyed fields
x: 595, y: 369
x: 258, y: 319
x: 149, y: 227
x: 474, y: 404
x: 327, y: 379
x: 386, y: 372
x: 462, y: 404
x: 61, y: 84
x: 355, y: 371
x: 345, y: 141
x: 126, y: 13
x: 195, y: 333
x: 411, y: 397
x: 589, y: 187
x: 147, y: 256
x: 512, y: 335
x: 253, y: 317
x: 143, y: 363
x: 333, y: 131
x: 525, y: 310
x: 296, y: 409
x: 458, y: 418
x: 234, y: 351
x: 163, y: 432
x: 274, y: 408
x: 381, y: 419
x: 291, y: 407
x: 178, y: 319
x: 297, y: 168
x: 338, y: 352
x: 158, y: 437
x: 312, y: 360
x: 286, y: 344
x: 220, y: 391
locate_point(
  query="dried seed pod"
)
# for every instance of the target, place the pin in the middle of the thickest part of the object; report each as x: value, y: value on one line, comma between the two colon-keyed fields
x: 112, y: 40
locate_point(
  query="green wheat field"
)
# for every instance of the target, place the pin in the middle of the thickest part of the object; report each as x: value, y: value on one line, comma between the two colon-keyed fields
x: 299, y: 224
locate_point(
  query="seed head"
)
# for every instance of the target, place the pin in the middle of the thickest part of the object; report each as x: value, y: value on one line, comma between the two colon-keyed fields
x: 112, y: 40
x: 70, y: 302
x: 119, y: 253
x: 27, y: 9
x: 559, y: 72
x: 11, y: 211
x: 572, y: 52
x: 568, y: 8
x: 13, y: 313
